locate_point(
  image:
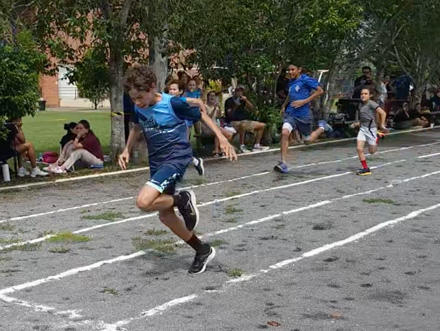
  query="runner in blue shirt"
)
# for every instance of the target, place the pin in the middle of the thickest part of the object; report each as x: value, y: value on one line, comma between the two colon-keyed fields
x: 162, y: 117
x: 297, y: 114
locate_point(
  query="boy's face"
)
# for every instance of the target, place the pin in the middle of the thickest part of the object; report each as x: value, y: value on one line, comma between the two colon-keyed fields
x: 294, y: 71
x: 192, y: 85
x: 143, y: 99
x: 365, y: 95
x: 174, y: 90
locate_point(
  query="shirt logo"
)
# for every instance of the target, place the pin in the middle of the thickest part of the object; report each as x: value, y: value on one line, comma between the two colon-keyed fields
x: 297, y: 88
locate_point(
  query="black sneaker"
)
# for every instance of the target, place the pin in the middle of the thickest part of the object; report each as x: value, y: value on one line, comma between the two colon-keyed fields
x: 363, y: 172
x: 199, y: 167
x: 201, y: 260
x: 188, y: 209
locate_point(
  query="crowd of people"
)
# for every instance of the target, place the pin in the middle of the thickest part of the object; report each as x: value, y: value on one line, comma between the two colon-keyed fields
x: 235, y: 118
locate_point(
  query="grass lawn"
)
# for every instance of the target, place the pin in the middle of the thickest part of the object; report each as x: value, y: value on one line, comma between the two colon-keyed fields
x: 47, y: 127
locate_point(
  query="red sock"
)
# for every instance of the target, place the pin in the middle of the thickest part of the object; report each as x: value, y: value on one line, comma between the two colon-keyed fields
x: 364, y: 164
x: 377, y: 139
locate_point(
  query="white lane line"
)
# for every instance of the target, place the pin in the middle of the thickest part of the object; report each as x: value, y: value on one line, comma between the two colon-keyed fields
x: 96, y: 265
x: 426, y: 156
x: 70, y: 314
x: 238, y: 196
x: 99, y: 226
x: 279, y: 265
x: 119, y: 172
x: 128, y: 198
x: 212, y: 183
x: 70, y: 273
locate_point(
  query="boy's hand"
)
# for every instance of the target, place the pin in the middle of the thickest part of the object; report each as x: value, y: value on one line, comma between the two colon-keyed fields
x: 355, y: 125
x: 123, y: 159
x: 228, y: 149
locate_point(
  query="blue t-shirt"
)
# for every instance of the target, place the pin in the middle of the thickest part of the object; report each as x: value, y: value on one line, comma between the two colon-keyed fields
x: 165, y: 131
x: 197, y: 94
x: 300, y: 89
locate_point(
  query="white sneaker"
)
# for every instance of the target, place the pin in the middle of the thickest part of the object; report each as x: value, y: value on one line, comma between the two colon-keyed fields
x: 49, y: 167
x: 23, y: 172
x: 244, y: 150
x: 37, y: 172
x: 58, y: 170
x: 258, y: 147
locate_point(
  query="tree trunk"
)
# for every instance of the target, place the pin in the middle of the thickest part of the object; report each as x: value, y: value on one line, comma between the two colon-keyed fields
x: 117, y: 140
x: 159, y: 59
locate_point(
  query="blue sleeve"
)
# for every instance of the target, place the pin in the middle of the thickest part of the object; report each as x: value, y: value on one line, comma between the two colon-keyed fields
x: 183, y: 99
x: 184, y: 111
x: 312, y: 83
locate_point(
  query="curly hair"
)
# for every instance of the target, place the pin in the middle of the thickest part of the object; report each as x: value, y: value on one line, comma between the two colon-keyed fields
x: 139, y: 77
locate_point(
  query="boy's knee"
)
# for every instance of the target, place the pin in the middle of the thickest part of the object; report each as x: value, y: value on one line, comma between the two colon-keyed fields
x: 144, y: 204
x: 285, y: 133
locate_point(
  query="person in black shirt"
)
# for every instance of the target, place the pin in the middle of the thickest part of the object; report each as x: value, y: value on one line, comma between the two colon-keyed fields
x: 237, y: 114
x: 70, y: 135
x: 365, y: 81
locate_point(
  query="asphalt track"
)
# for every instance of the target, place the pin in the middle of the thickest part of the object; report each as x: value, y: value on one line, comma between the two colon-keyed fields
x: 317, y: 249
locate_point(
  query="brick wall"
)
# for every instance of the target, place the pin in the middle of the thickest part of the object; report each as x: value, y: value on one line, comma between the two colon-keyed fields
x: 49, y: 88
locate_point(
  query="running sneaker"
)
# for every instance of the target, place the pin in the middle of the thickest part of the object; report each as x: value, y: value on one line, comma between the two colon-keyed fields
x: 259, y: 148
x: 188, y: 209
x: 201, y: 260
x: 363, y: 172
x: 244, y: 150
x: 281, y: 167
x: 38, y: 172
x: 198, y: 164
x: 327, y: 128
x: 23, y: 172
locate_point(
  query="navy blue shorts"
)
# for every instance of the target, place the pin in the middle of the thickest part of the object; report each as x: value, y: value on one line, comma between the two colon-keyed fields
x: 304, y: 126
x: 165, y: 178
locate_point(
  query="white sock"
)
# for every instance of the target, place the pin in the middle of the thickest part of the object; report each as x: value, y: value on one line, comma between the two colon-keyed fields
x: 257, y: 145
x: 195, y: 161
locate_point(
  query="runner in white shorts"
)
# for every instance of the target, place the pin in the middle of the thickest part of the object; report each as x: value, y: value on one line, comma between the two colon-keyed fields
x: 366, y: 121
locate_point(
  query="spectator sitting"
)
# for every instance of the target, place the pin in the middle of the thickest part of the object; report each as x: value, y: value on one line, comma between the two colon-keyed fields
x: 238, y: 115
x: 24, y: 149
x: 70, y: 135
x: 404, y: 119
x: 86, y: 147
x: 435, y: 101
x: 214, y: 112
x: 67, y: 146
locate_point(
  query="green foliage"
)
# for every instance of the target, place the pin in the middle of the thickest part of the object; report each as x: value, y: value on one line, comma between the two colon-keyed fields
x: 91, y: 76
x: 20, y: 65
x: 68, y: 237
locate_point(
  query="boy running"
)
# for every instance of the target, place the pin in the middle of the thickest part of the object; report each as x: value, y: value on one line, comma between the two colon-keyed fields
x: 162, y: 117
x: 366, y: 122
x: 297, y: 114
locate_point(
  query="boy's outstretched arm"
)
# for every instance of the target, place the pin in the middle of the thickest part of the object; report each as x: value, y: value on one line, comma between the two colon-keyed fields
x: 124, y: 157
x: 227, y: 148
x: 382, y: 118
